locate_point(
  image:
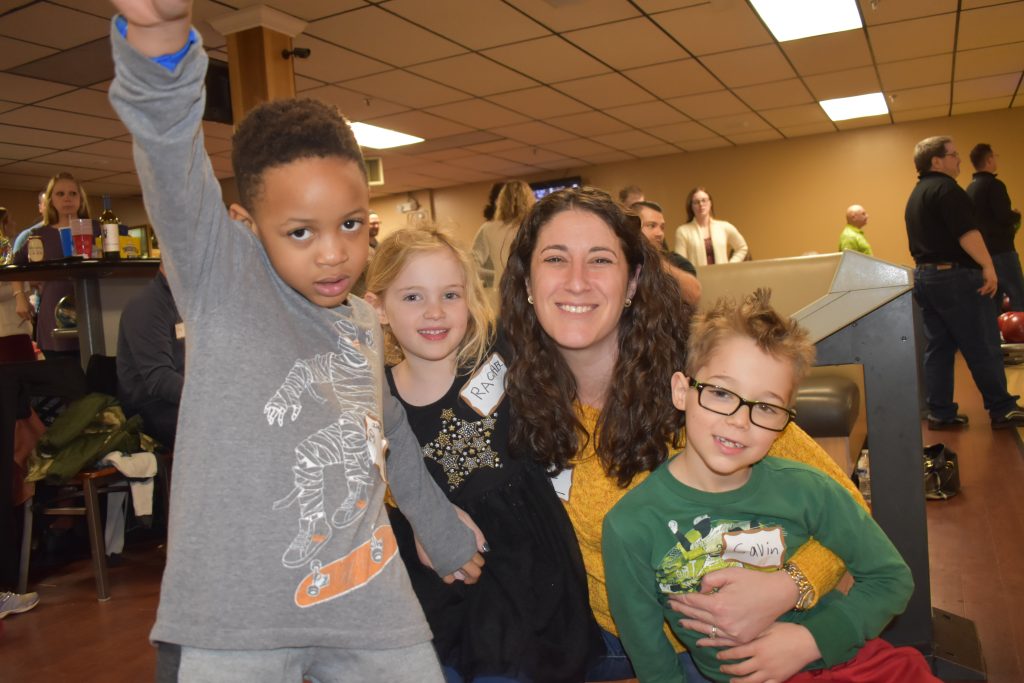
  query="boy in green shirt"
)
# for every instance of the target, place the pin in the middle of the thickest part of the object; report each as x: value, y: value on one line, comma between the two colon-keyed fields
x: 722, y: 503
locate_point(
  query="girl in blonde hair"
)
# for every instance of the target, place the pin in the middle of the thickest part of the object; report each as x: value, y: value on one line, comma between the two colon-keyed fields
x: 528, y: 618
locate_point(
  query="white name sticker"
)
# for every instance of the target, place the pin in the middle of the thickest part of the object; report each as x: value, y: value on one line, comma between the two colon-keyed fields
x: 485, y: 389
x: 757, y: 547
x: 179, y: 331
x: 563, y: 484
x: 377, y: 444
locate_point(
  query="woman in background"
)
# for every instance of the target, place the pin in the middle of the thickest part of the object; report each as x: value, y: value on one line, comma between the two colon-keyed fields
x: 15, y: 311
x: 705, y: 240
x: 494, y: 238
x: 65, y: 199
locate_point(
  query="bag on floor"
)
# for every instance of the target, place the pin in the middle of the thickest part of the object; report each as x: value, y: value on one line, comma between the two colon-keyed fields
x: 941, y: 473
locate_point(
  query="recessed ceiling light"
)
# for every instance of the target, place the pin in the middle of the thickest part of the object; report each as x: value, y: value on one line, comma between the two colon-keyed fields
x: 795, y: 19
x: 376, y: 137
x: 859, y: 106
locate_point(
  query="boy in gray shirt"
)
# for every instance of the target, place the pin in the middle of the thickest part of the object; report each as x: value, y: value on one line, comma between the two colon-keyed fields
x: 281, y: 562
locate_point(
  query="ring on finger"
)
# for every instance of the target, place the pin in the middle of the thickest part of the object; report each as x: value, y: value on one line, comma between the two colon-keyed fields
x: 714, y: 632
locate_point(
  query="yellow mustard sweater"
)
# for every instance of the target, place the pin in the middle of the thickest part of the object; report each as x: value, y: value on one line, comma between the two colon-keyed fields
x: 594, y: 493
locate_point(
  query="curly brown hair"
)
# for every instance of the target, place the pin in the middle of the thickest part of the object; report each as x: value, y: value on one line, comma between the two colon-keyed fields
x: 638, y: 421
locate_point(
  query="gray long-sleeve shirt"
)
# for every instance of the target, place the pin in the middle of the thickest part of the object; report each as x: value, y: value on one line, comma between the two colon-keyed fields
x: 278, y: 534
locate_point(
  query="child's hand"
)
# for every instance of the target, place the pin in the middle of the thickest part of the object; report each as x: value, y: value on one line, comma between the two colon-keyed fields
x: 775, y: 656
x: 156, y: 27
x: 470, y: 572
x: 149, y: 13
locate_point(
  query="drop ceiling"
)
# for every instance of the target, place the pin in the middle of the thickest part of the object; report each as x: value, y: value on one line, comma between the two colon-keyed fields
x: 512, y: 88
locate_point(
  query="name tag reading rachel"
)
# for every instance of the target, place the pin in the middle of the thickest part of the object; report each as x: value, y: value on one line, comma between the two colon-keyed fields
x: 757, y: 547
x: 485, y: 389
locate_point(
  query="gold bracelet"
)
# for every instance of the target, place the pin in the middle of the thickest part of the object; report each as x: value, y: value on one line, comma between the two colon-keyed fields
x: 805, y: 589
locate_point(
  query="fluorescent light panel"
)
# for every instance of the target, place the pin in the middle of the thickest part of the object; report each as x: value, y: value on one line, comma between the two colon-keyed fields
x: 376, y: 137
x: 859, y: 106
x: 795, y: 19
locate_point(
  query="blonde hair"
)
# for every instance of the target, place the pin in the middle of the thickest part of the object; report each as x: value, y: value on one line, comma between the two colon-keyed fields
x: 514, y: 202
x: 754, y: 318
x: 51, y: 212
x: 392, y: 255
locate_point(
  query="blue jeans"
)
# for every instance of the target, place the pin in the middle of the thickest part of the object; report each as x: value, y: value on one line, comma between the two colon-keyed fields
x: 1011, y: 280
x: 614, y: 665
x: 956, y: 317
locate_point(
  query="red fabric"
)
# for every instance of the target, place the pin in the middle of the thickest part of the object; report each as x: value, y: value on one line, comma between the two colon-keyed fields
x: 16, y: 348
x: 876, y: 662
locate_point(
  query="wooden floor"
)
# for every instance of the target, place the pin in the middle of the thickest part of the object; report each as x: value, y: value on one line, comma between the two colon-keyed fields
x: 976, y: 550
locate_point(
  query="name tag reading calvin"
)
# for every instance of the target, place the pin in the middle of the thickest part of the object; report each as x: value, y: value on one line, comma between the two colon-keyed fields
x: 179, y: 331
x: 757, y: 547
x: 562, y: 482
x: 485, y: 389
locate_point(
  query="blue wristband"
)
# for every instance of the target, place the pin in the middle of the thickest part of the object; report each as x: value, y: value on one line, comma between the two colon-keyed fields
x: 169, y: 62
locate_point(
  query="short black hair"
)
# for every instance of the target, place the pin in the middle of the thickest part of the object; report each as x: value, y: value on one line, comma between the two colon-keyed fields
x: 655, y: 206
x: 280, y: 132
x: 980, y: 154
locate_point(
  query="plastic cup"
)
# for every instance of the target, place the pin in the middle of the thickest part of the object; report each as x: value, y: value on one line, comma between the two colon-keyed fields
x: 67, y: 243
x: 81, y: 232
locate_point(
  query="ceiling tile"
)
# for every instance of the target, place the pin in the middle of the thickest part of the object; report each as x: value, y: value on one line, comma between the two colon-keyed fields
x: 309, y: 10
x: 477, y: 113
x: 589, y: 123
x: 913, y: 38
x: 378, y: 34
x: 981, y: 105
x: 807, y: 129
x: 495, y: 146
x: 750, y: 66
x: 679, y: 132
x: 355, y: 106
x: 916, y: 98
x: 42, y: 138
x: 647, y: 114
x: 108, y: 148
x: 303, y: 84
x: 52, y: 119
x: 756, y: 136
x: 329, y: 63
x: 989, y: 61
x: 559, y: 164
x: 34, y: 168
x: 82, y: 101
x: 832, y: 52
x: 608, y: 157
x: 530, y: 155
x: 773, y: 95
x: 53, y: 26
x: 933, y: 112
x: 21, y: 182
x: 82, y: 65
x: 887, y: 12
x: 991, y: 26
x: 675, y: 79
x: 658, y: 150
x: 706, y: 143
x: 653, y: 6
x: 715, y: 27
x: 14, y: 52
x: 12, y: 151
x: 26, y: 90
x: 736, y: 124
x: 980, y: 88
x: 548, y: 60
x: 627, y: 140
x: 801, y: 115
x: 533, y: 133
x: 444, y: 154
x: 7, y: 106
x: 474, y: 74
x: 577, y: 147
x: 480, y: 162
x: 477, y: 24
x: 71, y: 158
x: 865, y: 122
x: 628, y: 44
x: 720, y: 103
x: 606, y: 90
x: 911, y: 73
x: 563, y: 15
x: 405, y: 88
x: 541, y: 102
x: 421, y: 124
x: 843, y: 83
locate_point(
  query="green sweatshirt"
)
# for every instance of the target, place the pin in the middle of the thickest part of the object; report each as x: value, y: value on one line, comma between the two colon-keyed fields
x: 663, y: 536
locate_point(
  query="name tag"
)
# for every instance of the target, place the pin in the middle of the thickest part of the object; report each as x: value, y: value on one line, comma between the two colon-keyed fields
x: 179, y: 331
x: 377, y: 444
x: 563, y: 484
x: 757, y: 547
x: 485, y: 389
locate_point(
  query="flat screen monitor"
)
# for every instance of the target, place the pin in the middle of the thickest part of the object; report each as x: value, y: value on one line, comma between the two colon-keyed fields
x: 545, y: 187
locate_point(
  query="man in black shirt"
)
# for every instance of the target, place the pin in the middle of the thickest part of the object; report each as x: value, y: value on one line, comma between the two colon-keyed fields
x: 998, y: 223
x: 953, y: 284
x: 151, y: 360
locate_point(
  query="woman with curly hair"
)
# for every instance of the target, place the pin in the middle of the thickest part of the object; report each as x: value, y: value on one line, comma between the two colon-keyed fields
x: 596, y: 329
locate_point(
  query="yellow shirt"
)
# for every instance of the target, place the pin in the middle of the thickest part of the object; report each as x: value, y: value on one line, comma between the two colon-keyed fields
x: 594, y: 493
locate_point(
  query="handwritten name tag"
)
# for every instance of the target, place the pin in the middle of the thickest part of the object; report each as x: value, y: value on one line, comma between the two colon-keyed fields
x: 179, y: 331
x: 562, y: 483
x: 377, y: 444
x: 757, y: 547
x: 485, y: 389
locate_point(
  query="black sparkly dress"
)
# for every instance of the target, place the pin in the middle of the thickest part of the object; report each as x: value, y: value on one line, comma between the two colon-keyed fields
x: 528, y: 617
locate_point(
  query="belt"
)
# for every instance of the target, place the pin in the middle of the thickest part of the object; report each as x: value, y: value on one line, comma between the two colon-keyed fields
x: 937, y: 266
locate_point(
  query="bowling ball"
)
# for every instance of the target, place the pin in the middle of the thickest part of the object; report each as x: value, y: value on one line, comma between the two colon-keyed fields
x: 1006, y: 302
x: 1011, y: 325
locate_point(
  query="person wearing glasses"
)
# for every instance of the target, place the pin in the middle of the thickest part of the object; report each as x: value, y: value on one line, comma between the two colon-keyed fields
x: 594, y: 335
x: 705, y: 240
x: 954, y: 283
x: 722, y: 503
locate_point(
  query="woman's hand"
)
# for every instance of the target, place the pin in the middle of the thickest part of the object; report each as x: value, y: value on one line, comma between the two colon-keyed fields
x: 775, y: 656
x: 740, y: 603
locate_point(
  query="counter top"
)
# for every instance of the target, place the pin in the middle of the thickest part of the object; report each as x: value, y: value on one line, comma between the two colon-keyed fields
x: 78, y: 268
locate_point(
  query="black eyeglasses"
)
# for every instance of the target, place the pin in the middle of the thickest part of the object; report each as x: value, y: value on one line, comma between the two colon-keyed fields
x: 724, y: 402
x: 951, y: 154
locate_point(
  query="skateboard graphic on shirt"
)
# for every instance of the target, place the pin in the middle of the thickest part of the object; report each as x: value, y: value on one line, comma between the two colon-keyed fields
x: 332, y: 580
